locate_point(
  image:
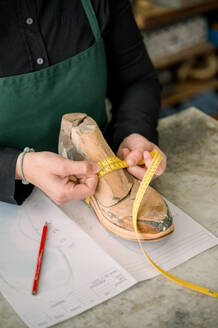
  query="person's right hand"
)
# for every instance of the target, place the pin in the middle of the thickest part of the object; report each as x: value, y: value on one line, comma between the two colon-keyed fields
x: 51, y: 173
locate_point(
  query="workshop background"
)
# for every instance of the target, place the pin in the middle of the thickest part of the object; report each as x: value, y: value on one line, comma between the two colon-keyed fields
x: 181, y: 37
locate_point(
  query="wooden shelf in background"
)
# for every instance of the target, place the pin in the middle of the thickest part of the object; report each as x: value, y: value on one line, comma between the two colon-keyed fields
x: 148, y: 15
x: 188, y: 89
x: 189, y: 52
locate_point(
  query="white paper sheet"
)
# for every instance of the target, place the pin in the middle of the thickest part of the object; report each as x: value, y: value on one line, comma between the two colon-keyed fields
x: 83, y: 264
x: 76, y: 273
x: 188, y: 239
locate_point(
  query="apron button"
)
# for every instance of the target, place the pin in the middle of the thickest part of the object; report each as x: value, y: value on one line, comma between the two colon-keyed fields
x: 40, y: 61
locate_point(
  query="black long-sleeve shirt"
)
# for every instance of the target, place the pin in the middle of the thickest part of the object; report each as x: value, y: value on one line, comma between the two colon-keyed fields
x: 55, y: 30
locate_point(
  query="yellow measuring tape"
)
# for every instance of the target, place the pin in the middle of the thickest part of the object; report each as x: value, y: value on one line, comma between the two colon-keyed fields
x: 114, y: 163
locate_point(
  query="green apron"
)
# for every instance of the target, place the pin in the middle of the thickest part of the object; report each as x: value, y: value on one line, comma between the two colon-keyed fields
x: 31, y: 105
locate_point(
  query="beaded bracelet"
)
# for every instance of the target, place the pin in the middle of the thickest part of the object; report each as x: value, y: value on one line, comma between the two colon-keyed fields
x: 26, y: 150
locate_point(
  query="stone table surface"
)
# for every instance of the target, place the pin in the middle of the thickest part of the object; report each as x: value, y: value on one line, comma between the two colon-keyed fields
x: 190, y: 140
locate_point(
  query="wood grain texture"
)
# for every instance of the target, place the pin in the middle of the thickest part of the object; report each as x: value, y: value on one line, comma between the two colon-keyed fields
x: 80, y: 138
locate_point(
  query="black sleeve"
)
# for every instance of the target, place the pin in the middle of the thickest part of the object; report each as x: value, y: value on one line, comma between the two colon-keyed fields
x: 133, y: 86
x: 11, y: 190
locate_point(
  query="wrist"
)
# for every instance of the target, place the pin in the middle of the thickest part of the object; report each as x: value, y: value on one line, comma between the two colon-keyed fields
x: 17, y: 168
x: 22, y: 166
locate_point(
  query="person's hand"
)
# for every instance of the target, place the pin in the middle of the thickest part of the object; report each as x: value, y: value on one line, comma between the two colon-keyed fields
x: 133, y: 149
x: 52, y: 174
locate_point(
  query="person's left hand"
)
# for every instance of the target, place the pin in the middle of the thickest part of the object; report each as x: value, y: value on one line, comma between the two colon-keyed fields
x: 133, y: 149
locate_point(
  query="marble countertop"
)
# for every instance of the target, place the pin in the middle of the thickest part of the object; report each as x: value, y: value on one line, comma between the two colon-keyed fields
x: 190, y: 140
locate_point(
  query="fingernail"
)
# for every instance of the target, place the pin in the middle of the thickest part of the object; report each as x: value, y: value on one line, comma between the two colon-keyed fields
x: 95, y: 167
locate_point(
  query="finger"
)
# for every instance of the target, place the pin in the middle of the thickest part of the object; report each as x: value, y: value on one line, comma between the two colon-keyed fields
x: 147, y: 158
x: 134, y: 157
x: 66, y: 191
x: 122, y: 153
x: 161, y: 168
x: 137, y: 171
x: 67, y: 167
x: 84, y: 189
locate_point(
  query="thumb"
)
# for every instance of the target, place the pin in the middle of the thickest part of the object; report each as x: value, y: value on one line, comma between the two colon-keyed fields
x: 122, y: 153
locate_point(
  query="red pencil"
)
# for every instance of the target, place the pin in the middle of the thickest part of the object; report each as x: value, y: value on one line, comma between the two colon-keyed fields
x: 39, y: 259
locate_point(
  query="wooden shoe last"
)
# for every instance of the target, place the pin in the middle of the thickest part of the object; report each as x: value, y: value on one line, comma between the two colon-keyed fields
x: 80, y: 138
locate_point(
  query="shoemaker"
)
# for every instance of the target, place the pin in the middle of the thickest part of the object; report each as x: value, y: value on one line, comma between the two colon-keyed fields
x: 60, y: 57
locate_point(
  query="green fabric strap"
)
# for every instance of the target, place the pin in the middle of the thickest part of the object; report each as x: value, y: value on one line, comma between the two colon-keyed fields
x: 92, y: 19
